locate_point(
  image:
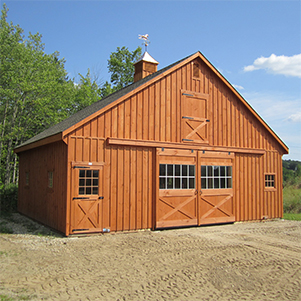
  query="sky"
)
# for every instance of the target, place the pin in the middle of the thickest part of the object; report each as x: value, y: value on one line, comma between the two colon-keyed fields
x: 256, y: 45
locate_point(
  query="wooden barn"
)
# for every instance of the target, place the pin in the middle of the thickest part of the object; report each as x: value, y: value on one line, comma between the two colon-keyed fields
x: 178, y: 147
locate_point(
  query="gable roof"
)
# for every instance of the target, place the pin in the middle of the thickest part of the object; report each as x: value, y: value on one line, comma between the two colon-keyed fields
x: 56, y: 132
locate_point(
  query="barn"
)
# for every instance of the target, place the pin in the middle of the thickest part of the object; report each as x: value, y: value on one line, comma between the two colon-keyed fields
x: 178, y: 147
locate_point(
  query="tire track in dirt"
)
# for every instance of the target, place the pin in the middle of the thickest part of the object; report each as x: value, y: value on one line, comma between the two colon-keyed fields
x: 250, y: 261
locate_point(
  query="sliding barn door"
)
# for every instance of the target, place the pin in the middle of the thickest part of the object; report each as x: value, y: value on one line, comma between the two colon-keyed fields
x: 176, y: 203
x: 87, y: 198
x: 216, y: 188
x: 195, y: 122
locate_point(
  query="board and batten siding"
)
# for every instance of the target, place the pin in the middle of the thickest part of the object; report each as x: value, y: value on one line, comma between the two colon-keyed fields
x: 127, y: 181
x: 154, y: 114
x: 37, y: 200
x: 252, y: 200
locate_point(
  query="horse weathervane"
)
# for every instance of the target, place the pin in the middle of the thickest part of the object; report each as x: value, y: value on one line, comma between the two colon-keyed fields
x: 145, y: 39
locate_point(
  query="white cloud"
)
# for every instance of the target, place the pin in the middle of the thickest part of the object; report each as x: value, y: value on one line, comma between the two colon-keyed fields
x: 286, y: 65
x: 275, y: 107
x: 238, y: 87
x: 296, y: 117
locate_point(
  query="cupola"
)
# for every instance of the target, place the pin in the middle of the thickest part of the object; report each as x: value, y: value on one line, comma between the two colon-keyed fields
x: 145, y: 66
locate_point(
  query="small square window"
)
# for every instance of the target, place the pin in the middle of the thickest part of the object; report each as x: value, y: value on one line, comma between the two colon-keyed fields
x: 88, y: 182
x: 269, y: 181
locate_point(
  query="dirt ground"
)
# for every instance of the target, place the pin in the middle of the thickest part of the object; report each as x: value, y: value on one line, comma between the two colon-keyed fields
x: 242, y: 261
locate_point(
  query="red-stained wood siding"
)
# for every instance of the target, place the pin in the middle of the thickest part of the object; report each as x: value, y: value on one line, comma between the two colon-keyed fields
x: 127, y: 182
x: 154, y: 113
x: 37, y: 200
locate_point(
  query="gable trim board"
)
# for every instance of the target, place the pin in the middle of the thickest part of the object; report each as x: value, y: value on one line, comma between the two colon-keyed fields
x: 106, y: 160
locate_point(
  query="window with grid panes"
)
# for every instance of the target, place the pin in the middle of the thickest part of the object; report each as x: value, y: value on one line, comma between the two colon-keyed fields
x: 216, y: 177
x: 176, y: 176
x: 88, y: 181
x: 269, y: 181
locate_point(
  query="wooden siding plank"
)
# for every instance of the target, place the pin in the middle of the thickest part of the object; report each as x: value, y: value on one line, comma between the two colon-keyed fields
x: 133, y: 188
x: 163, y: 110
x: 113, y: 194
x: 106, y: 214
x: 145, y: 115
x: 133, y: 117
x: 177, y: 95
x: 157, y: 111
x: 114, y: 122
x: 151, y: 109
x: 126, y: 193
x: 120, y: 120
x: 139, y: 171
x: 139, y: 119
x: 173, y: 108
x: 127, y: 118
x: 167, y: 110
x: 120, y: 189
x: 144, y: 188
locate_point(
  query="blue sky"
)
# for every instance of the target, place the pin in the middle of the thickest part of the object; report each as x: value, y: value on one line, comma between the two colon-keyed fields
x: 256, y: 45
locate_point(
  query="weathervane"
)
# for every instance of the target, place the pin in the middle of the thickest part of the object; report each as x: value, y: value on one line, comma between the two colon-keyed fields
x: 145, y: 39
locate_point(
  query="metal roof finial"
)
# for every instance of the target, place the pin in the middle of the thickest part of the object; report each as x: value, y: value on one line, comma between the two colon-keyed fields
x: 145, y: 39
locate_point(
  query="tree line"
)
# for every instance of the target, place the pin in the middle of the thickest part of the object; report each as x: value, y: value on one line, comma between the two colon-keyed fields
x: 36, y: 92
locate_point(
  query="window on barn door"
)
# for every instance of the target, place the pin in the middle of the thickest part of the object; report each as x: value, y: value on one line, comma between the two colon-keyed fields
x: 270, y: 181
x: 176, y: 176
x: 216, y: 177
x: 88, y: 181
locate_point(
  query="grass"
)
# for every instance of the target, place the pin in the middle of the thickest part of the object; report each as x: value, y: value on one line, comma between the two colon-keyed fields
x: 291, y: 199
x: 5, y: 229
x: 5, y: 298
x: 292, y: 216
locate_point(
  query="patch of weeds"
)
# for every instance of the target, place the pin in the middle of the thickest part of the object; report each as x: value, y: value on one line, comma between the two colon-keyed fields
x: 5, y: 298
x: 31, y: 227
x: 3, y: 253
x: 23, y: 297
x: 292, y: 216
x: 5, y: 229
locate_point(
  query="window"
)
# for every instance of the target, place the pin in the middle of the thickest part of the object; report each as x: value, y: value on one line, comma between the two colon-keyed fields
x: 27, y: 178
x: 269, y: 181
x: 176, y: 176
x: 50, y: 179
x: 88, y: 181
x: 216, y: 177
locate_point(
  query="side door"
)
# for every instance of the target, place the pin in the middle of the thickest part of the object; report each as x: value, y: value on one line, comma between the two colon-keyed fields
x: 87, y: 198
x: 195, y: 122
x: 216, y: 203
x: 176, y: 203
